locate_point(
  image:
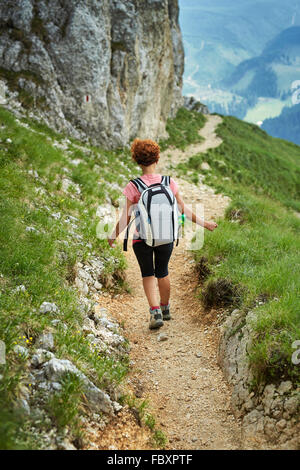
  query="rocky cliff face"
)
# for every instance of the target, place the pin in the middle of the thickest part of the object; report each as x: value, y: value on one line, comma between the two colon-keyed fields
x: 269, y: 417
x: 109, y: 69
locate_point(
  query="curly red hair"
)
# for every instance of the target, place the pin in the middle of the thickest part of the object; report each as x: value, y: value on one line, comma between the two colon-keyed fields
x: 145, y: 152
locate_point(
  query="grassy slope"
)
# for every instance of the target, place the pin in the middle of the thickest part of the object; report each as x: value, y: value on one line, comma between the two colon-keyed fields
x: 257, y: 246
x: 184, y: 130
x: 260, y: 252
x: 43, y: 261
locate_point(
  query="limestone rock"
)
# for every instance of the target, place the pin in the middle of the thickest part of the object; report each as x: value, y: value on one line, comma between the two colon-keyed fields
x: 193, y: 105
x: 253, y: 423
x: 109, y: 70
x: 205, y: 166
x: 46, y: 341
x: 24, y: 405
x: 65, y: 445
x: 162, y: 337
x: 268, y: 414
x: 87, y: 275
x: 281, y: 424
x: 21, y: 350
x: 40, y: 357
x: 48, y: 307
x: 292, y: 405
x: 68, y: 184
x: 56, y: 369
x: 285, y: 387
x: 21, y: 288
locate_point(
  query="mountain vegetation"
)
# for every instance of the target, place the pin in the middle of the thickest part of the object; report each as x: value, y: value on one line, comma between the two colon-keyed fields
x: 286, y: 125
x: 256, y: 248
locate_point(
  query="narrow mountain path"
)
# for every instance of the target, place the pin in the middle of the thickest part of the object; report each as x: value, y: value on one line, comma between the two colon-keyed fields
x: 211, y: 140
x: 180, y: 375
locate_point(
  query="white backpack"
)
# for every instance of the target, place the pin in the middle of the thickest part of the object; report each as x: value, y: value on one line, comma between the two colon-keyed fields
x: 156, y: 213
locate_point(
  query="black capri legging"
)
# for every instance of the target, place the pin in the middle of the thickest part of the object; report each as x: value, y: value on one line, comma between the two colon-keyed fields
x: 158, y: 266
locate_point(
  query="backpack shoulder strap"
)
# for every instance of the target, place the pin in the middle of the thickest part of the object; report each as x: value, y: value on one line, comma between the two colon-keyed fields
x: 165, y: 180
x: 139, y: 184
x: 125, y: 241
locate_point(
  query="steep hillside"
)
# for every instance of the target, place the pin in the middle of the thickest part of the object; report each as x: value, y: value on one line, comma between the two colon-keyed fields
x: 64, y: 357
x: 110, y: 70
x: 248, y: 275
x: 250, y: 158
x: 261, y: 174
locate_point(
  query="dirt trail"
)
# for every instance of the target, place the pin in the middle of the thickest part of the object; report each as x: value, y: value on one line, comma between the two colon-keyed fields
x: 180, y: 375
x: 211, y: 140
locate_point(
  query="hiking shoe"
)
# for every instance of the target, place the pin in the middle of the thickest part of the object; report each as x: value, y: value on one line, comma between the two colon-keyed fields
x: 156, y: 320
x: 166, y: 312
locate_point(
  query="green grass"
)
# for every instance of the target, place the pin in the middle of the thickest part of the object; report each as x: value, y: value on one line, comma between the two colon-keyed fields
x: 140, y: 408
x: 43, y: 260
x: 64, y: 406
x: 252, y: 158
x: 184, y: 129
x: 262, y: 256
x: 257, y: 247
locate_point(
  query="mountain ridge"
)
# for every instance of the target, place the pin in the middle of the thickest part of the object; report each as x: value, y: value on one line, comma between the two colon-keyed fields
x: 283, y: 49
x: 248, y: 71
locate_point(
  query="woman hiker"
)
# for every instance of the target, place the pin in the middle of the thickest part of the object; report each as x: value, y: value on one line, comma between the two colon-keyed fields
x: 153, y: 260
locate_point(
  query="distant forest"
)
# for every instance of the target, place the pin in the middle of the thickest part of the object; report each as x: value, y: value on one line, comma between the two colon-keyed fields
x: 286, y: 126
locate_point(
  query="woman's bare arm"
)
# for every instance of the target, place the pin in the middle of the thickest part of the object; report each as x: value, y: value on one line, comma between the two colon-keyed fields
x: 193, y: 217
x: 122, y: 223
